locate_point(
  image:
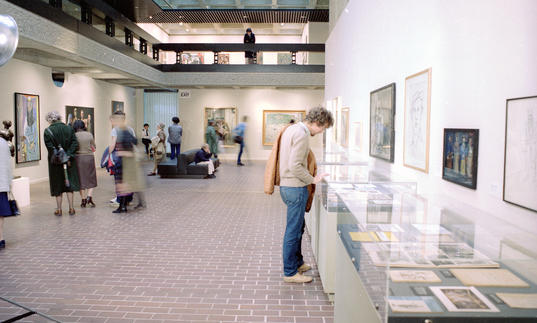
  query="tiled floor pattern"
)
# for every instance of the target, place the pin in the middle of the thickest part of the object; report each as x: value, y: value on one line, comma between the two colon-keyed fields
x: 204, y: 251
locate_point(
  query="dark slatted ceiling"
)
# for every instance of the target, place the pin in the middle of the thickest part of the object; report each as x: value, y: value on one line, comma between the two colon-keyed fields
x: 201, y: 16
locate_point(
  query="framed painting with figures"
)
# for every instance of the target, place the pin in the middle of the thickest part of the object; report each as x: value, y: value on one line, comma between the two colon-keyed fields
x: 87, y: 115
x: 417, y: 120
x: 27, y: 130
x: 460, y: 156
x: 520, y: 158
x: 381, y: 123
x: 118, y: 106
x: 275, y: 120
x: 225, y: 120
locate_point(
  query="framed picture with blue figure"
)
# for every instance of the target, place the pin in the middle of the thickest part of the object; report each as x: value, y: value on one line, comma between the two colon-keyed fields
x: 460, y: 156
x: 27, y: 130
x: 87, y: 115
x: 381, y: 123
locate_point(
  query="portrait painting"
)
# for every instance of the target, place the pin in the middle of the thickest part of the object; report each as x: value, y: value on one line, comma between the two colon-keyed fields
x: 223, y: 58
x: 27, y: 130
x: 460, y: 156
x: 74, y: 113
x: 520, y: 159
x: 192, y: 58
x: 381, y: 125
x: 417, y: 118
x: 275, y: 120
x: 118, y: 106
x: 225, y: 120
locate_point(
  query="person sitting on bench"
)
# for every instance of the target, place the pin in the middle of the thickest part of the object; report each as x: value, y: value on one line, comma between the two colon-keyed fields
x: 203, y: 157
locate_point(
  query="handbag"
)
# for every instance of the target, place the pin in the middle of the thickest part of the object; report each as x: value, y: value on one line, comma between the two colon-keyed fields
x: 59, y: 156
x: 237, y: 139
x: 13, y: 205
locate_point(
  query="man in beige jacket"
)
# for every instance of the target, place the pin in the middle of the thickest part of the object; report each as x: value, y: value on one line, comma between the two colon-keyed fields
x: 294, y: 179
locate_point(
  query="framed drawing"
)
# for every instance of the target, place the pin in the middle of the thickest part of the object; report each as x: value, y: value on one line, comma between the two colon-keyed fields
x: 381, y: 123
x: 225, y: 119
x: 223, y: 58
x: 87, y: 115
x: 27, y: 130
x: 118, y: 106
x: 520, y: 159
x: 460, y: 156
x: 275, y: 120
x: 357, y: 134
x: 192, y: 58
x: 417, y: 119
x: 344, y: 127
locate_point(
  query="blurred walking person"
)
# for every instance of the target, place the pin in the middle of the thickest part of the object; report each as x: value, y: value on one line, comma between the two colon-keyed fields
x: 85, y: 162
x: 6, y: 175
x: 238, y: 137
x: 63, y: 177
x: 159, y: 147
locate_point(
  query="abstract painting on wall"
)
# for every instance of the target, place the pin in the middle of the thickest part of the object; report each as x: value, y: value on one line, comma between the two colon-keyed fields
x: 275, y: 120
x: 520, y: 169
x: 417, y: 119
x: 118, y: 106
x: 381, y: 123
x: 225, y: 120
x: 460, y: 156
x: 87, y: 115
x: 27, y: 131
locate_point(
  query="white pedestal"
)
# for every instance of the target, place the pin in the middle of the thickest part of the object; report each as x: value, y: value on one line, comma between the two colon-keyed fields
x: 20, y: 188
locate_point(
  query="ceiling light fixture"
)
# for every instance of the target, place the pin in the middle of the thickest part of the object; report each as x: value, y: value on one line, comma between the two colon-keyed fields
x: 282, y: 24
x: 150, y: 17
x: 181, y: 23
x: 244, y: 17
x: 187, y: 30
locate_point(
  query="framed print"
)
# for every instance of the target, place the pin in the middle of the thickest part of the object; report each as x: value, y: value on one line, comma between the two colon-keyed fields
x: 520, y: 158
x: 225, y: 119
x: 463, y: 299
x: 381, y: 124
x: 27, y: 130
x: 118, y: 106
x: 417, y: 119
x: 460, y: 156
x: 275, y: 120
x: 223, y: 58
x: 357, y: 134
x: 192, y: 58
x: 73, y: 113
x: 344, y: 127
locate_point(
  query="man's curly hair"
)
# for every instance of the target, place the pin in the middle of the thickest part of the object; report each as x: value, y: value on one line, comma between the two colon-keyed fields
x: 320, y: 116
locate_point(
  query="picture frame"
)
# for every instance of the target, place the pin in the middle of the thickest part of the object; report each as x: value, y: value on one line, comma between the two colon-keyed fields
x: 382, y: 123
x: 520, y: 152
x: 27, y: 128
x: 463, y: 299
x: 118, y: 106
x: 455, y: 169
x: 86, y: 114
x: 344, y: 127
x: 275, y: 120
x: 416, y: 135
x: 226, y: 119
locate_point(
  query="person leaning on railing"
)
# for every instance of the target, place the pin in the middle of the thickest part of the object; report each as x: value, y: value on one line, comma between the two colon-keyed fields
x: 249, y: 38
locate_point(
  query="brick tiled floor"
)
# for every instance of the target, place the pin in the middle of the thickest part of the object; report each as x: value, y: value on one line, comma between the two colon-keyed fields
x: 204, y: 251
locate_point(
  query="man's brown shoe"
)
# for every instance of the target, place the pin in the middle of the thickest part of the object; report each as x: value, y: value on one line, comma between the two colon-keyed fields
x: 305, y: 267
x: 298, y: 278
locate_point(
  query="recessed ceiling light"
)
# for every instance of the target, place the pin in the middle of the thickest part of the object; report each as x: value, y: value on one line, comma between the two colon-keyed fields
x: 187, y: 30
x: 303, y: 17
x: 245, y: 17
x: 150, y: 17
x: 181, y: 23
x: 181, y: 16
x: 282, y: 24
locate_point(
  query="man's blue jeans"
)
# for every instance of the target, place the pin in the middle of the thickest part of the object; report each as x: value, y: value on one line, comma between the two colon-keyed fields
x: 240, y: 152
x: 176, y: 150
x: 295, y: 198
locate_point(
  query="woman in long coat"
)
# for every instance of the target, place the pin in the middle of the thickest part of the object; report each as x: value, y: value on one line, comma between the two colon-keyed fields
x: 58, y: 133
x: 212, y: 139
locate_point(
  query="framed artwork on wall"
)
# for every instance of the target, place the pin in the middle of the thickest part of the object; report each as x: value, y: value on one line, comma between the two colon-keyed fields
x: 27, y: 128
x: 520, y: 158
x: 118, y: 106
x: 460, y: 156
x: 73, y: 113
x: 417, y: 119
x: 192, y: 58
x: 357, y: 131
x: 225, y: 119
x: 223, y: 58
x: 381, y: 123
x: 275, y: 120
x: 344, y: 127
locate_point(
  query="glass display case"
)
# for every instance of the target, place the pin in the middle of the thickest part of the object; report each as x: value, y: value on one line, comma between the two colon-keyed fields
x: 322, y: 219
x: 405, y: 258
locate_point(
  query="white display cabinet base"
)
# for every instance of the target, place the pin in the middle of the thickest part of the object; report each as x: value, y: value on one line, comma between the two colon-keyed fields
x: 20, y: 188
x: 352, y: 303
x: 312, y: 223
x: 326, y: 258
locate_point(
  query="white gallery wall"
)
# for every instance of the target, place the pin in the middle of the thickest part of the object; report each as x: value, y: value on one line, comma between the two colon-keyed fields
x: 481, y: 53
x: 250, y: 103
x: 24, y: 77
